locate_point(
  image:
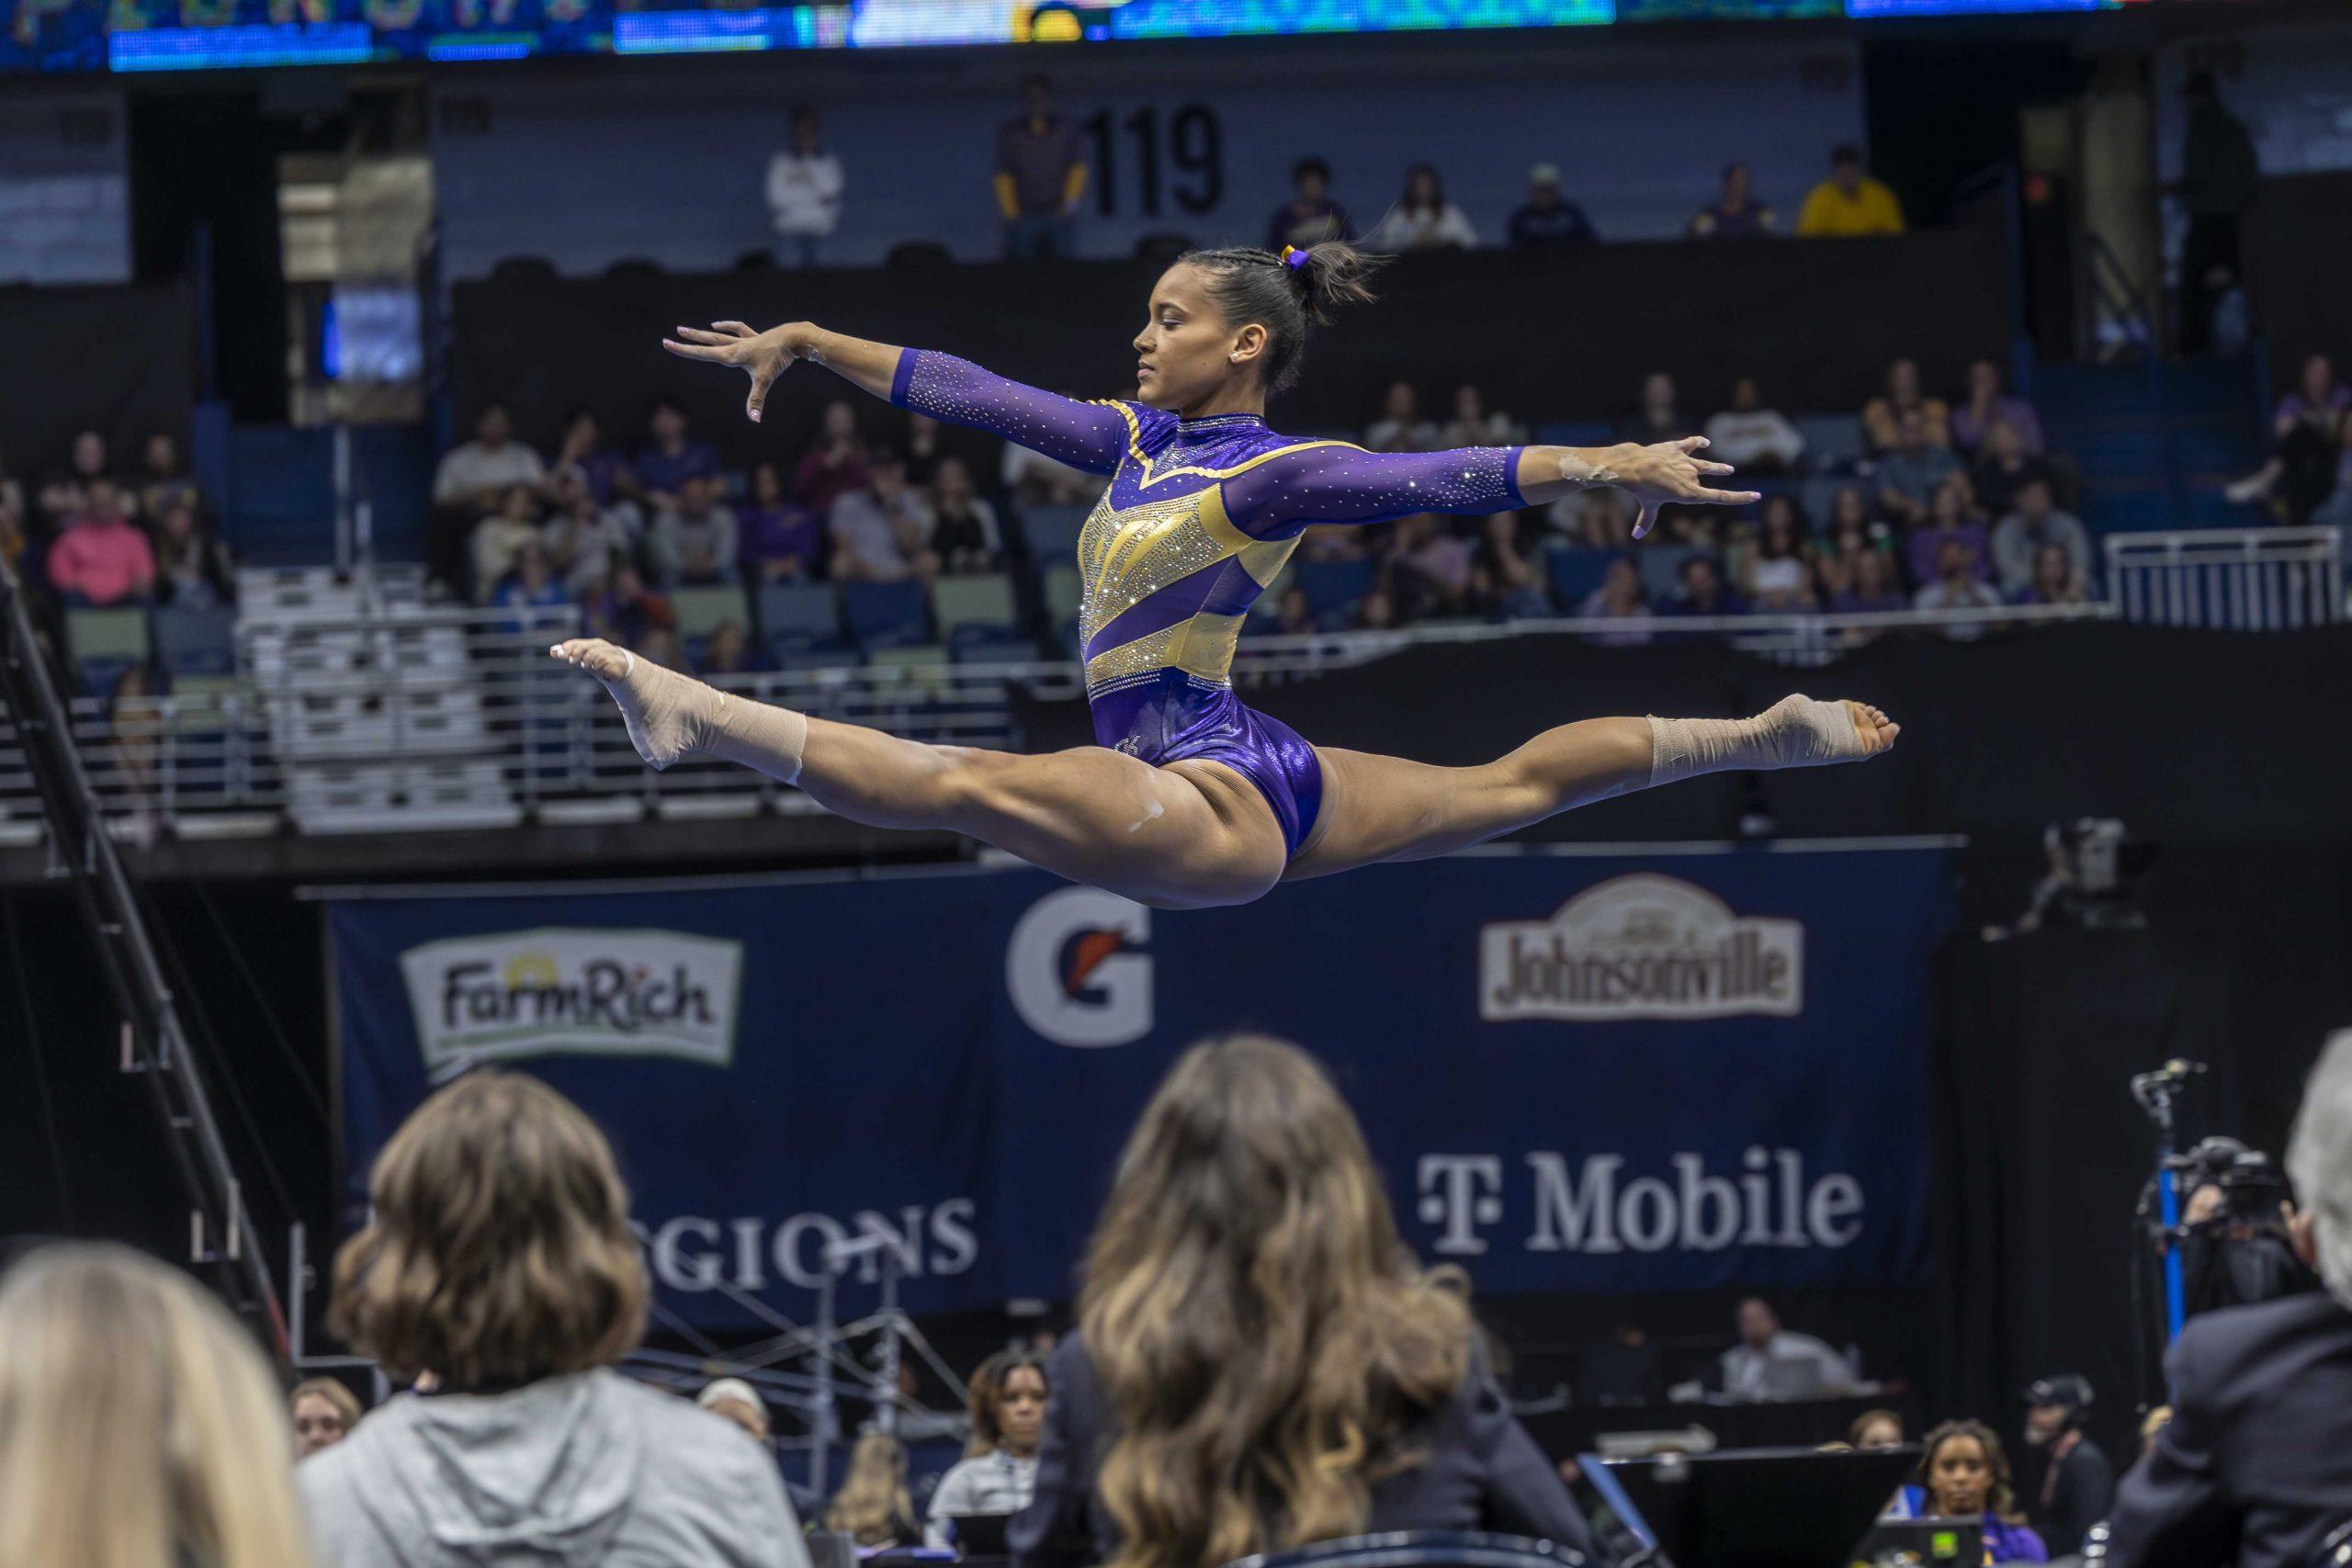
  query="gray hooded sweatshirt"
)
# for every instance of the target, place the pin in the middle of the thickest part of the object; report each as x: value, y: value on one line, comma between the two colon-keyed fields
x: 585, y: 1468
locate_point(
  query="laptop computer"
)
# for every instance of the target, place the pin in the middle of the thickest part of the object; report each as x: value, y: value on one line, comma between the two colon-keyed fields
x: 981, y: 1535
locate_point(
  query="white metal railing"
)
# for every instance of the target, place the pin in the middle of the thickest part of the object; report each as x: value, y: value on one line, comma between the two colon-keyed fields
x: 2233, y: 578
x: 390, y: 716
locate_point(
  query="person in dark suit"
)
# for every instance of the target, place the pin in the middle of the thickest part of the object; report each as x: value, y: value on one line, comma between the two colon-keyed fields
x: 1260, y: 1361
x: 2255, y: 1467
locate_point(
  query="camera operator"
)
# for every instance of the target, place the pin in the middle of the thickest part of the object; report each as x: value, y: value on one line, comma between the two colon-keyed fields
x: 2256, y: 1468
x: 2234, y: 1247
x: 2077, y: 1483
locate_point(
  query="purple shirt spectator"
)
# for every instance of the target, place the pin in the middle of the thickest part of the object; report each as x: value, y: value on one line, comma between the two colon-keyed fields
x: 1926, y: 544
x: 1968, y: 425
x: 780, y: 542
x: 666, y: 472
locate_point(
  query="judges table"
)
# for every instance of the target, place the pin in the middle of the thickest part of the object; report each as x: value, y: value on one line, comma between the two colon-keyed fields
x: 1564, y: 1432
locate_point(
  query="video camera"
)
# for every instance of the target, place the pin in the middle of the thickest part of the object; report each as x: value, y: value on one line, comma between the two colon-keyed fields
x: 2235, y: 1250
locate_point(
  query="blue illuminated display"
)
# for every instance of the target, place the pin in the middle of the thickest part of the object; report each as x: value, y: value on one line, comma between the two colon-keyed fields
x: 190, y: 35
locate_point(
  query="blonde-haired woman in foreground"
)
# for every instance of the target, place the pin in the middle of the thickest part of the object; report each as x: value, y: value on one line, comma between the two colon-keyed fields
x: 1262, y: 1363
x: 140, y: 1427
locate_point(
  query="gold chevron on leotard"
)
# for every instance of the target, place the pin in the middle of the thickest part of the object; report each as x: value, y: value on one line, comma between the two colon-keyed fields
x: 1127, y: 553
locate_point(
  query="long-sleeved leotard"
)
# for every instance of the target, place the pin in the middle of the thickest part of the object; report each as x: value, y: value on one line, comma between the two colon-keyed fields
x: 1198, y: 518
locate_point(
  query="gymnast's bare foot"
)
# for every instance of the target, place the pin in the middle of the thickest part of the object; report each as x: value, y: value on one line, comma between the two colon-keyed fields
x: 1874, y: 728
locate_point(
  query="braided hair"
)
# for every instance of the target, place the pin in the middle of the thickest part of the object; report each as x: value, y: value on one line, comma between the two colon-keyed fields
x: 1285, y: 296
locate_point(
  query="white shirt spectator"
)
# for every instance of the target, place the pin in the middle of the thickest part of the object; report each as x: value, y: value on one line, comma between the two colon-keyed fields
x: 1425, y: 229
x: 679, y: 542
x: 1389, y: 434
x: 1973, y: 594
x: 1740, y: 439
x: 471, y: 469
x: 805, y: 193
x: 865, y: 538
x: 992, y: 1483
x: 585, y: 549
x: 1787, y: 1361
x: 2016, y: 539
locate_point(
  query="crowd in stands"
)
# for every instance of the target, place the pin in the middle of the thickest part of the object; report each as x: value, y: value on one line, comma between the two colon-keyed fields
x: 1041, y: 176
x: 1914, y: 501
x: 1258, y: 1359
x: 101, y: 536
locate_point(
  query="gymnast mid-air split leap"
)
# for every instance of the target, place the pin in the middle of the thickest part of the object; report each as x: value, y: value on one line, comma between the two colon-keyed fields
x: 1191, y: 799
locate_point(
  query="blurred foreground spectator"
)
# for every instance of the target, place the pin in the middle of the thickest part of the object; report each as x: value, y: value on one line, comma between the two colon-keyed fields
x: 1736, y: 214
x: 804, y: 194
x: 1310, y: 216
x: 1040, y: 175
x: 1422, y: 220
x: 1548, y: 219
x: 324, y: 1412
x: 1848, y: 203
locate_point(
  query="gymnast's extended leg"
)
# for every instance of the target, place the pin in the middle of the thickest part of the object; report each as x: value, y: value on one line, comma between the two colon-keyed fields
x: 1186, y: 835
x: 1380, y: 808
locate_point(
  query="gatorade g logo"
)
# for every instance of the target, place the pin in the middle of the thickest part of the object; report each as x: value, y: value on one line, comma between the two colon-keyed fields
x: 1075, y: 971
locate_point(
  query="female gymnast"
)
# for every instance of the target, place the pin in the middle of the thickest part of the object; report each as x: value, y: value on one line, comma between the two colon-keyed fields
x: 1192, y: 799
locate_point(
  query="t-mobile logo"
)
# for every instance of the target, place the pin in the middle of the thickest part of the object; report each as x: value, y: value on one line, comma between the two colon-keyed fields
x: 1458, y: 1192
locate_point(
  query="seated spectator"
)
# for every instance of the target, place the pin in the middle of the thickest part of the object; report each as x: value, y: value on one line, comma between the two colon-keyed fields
x: 1702, y: 591
x: 1619, y: 598
x: 499, y: 539
x: 882, y: 533
x: 1246, y: 1197
x: 583, y: 455
x: 193, y: 570
x: 1773, y: 1363
x: 1912, y: 470
x: 1430, y: 568
x: 1310, y: 216
x: 2306, y: 431
x: 475, y: 477
x: 1777, y: 575
x: 873, y: 1508
x: 1751, y: 437
x: 1736, y: 214
x: 999, y: 1472
x: 781, y: 540
x: 670, y: 458
x: 2055, y: 580
x: 732, y: 1399
x: 1951, y: 516
x: 1658, y: 413
x: 2036, y: 522
x: 1875, y: 1429
x: 65, y: 496
x: 1600, y: 519
x: 530, y: 586
x: 1848, y: 203
x: 1548, y: 220
x: 162, y: 482
x: 144, y: 1426
x: 1986, y: 402
x: 727, y: 651
x: 964, y: 534
x: 1032, y: 478
x: 102, y: 557
x: 2255, y: 1465
x: 835, y: 464
x: 518, y: 1294
x: 2078, y: 1485
x: 1963, y: 1474
x: 1868, y: 584
x: 2002, y: 467
x: 1473, y: 425
x: 323, y: 1413
x: 695, y: 541
x: 1958, y: 582
x: 1400, y: 427
x: 1422, y: 220
x: 930, y: 444
x: 622, y: 610
x: 1882, y: 415
x: 1505, y: 582
x: 585, y: 541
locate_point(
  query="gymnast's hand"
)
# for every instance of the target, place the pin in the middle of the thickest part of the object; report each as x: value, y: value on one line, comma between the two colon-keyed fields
x: 762, y: 355
x: 1668, y: 472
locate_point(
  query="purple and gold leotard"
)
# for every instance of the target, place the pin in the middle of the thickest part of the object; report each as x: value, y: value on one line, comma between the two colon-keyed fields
x: 1199, y: 517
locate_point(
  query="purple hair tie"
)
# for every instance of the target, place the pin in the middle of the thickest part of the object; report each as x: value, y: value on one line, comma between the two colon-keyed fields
x: 1293, y: 257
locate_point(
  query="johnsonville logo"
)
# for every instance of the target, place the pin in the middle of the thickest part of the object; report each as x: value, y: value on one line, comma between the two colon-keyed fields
x: 1640, y: 946
x: 552, y: 991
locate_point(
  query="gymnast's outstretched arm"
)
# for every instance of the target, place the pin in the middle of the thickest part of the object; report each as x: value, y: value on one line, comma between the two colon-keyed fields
x: 1331, y: 481
x: 1091, y: 437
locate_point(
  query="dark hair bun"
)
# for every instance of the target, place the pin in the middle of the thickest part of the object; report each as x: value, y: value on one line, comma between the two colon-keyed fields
x: 1333, y: 276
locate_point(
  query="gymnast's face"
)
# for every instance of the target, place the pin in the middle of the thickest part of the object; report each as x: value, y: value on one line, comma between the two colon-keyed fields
x: 1188, y: 352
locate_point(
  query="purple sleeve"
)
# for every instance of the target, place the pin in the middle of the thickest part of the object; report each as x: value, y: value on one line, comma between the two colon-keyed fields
x: 1334, y: 482
x: 1093, y: 436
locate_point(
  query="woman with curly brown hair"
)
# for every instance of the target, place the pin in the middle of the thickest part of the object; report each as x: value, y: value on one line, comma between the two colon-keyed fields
x: 1262, y: 1363
x: 499, y: 1259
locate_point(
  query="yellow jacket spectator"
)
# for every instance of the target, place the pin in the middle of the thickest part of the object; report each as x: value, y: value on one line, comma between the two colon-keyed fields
x: 1849, y: 202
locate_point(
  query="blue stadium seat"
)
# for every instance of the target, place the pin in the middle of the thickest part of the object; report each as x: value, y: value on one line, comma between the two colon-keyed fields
x: 196, y: 642
x: 1052, y: 531
x: 1332, y: 587
x: 1833, y: 442
x: 886, y: 614
x: 1661, y: 570
x: 1575, y: 573
x: 800, y: 618
x: 978, y: 618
